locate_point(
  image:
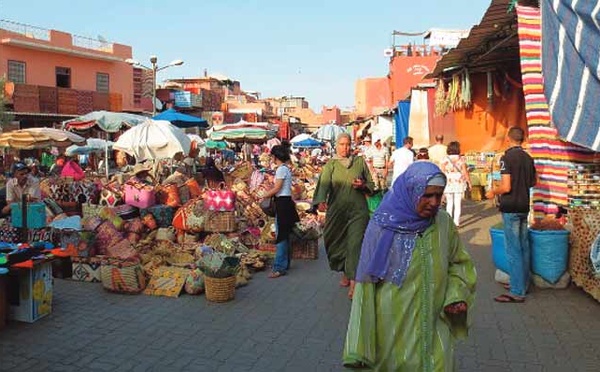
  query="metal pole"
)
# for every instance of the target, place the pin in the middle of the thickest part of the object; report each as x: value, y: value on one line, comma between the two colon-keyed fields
x: 153, y: 61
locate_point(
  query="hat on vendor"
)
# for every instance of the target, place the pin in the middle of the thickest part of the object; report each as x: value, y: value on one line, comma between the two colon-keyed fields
x: 18, y: 166
x: 141, y: 167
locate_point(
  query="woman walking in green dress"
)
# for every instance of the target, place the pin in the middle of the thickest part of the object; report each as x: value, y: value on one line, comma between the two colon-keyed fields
x: 341, y: 190
x: 415, y: 281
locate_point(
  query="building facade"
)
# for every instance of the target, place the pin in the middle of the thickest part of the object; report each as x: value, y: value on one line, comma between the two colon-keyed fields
x: 52, y: 75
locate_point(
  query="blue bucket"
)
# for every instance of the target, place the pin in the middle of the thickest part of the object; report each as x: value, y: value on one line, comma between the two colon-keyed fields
x: 549, y: 253
x: 499, y: 249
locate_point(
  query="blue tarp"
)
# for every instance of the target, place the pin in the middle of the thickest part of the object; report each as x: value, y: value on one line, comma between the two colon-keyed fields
x: 401, y: 122
x: 309, y: 142
x: 181, y: 120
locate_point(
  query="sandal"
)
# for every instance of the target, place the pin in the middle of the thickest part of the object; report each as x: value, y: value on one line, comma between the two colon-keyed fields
x: 344, y: 282
x: 506, y: 298
x: 275, y: 274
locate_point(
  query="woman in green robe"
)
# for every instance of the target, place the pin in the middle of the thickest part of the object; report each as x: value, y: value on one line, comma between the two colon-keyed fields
x: 415, y: 281
x: 341, y: 190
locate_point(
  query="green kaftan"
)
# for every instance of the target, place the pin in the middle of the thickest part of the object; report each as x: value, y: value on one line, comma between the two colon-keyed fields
x: 404, y: 328
x: 347, y: 212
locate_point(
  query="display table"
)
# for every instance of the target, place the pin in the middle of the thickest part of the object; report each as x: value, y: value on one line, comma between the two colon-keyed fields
x: 29, y: 290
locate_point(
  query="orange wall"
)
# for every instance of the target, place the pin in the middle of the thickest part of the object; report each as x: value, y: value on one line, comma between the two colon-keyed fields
x: 408, y: 71
x: 40, y: 65
x: 372, y: 96
x: 482, y: 128
x: 331, y: 115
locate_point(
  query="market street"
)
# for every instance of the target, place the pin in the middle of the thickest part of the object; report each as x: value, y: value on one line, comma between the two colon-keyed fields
x: 296, y: 323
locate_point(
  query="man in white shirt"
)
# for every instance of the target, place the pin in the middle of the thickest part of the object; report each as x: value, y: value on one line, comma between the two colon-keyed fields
x: 401, y: 158
x: 377, y: 157
x: 438, y: 151
x: 22, y: 183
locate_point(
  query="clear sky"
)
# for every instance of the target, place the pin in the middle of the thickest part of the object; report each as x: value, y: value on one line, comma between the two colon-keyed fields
x: 316, y: 49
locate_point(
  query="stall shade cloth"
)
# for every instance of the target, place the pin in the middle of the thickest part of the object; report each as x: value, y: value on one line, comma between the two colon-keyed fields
x: 401, y: 119
x: 570, y: 50
x: 181, y: 120
x: 34, y: 138
x: 329, y: 132
x: 243, y: 131
x: 154, y: 139
x: 107, y: 121
x: 553, y: 157
x: 418, y: 123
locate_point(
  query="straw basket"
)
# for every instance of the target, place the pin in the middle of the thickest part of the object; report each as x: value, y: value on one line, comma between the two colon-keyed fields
x: 219, y: 221
x: 219, y: 289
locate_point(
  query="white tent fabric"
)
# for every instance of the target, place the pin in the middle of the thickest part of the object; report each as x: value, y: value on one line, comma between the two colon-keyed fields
x: 418, y: 121
x: 154, y: 139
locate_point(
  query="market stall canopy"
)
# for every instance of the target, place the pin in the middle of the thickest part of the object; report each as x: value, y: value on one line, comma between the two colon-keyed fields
x: 153, y: 139
x: 107, y: 121
x: 36, y: 138
x: 329, y: 132
x: 220, y: 145
x: 243, y: 131
x: 181, y: 120
x: 91, y: 145
x: 305, y: 140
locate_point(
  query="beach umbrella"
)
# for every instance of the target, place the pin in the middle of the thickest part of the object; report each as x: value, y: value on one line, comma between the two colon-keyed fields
x: 219, y: 145
x: 154, y: 139
x: 37, y: 138
x: 308, y: 142
x: 329, y: 132
x: 92, y: 145
x: 196, y: 138
x: 181, y: 120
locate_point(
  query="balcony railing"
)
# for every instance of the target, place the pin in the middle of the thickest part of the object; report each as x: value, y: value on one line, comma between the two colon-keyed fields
x: 32, y: 32
x: 95, y: 44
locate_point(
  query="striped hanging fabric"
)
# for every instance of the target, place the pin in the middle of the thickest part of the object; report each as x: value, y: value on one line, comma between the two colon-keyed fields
x: 553, y: 157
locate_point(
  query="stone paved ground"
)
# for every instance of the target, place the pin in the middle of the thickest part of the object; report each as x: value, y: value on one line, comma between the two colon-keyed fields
x: 296, y: 323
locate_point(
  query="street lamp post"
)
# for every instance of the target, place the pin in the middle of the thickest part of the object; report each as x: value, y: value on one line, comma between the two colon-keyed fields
x: 154, y: 69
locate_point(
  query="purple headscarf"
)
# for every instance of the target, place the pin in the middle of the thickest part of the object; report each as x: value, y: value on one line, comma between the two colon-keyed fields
x: 392, y: 232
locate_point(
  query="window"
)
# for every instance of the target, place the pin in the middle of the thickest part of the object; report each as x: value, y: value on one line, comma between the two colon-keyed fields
x: 16, y: 72
x: 102, y: 82
x: 63, y: 77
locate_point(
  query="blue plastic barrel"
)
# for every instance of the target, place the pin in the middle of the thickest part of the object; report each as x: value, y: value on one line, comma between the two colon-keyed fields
x: 499, y: 249
x: 549, y: 253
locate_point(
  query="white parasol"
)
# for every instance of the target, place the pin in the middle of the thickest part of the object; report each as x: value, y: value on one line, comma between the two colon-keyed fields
x: 154, y: 139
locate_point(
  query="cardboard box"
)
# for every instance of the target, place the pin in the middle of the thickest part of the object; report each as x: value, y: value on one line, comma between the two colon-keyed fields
x: 35, y: 293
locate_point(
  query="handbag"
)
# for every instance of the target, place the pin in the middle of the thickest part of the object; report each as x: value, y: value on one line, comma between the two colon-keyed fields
x: 220, y: 199
x: 190, y: 216
x: 169, y: 195
x: 139, y: 195
x: 268, y: 206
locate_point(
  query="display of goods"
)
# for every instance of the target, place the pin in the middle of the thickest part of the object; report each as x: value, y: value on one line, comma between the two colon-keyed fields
x: 163, y: 214
x: 181, y: 259
x: 267, y: 206
x: 190, y: 217
x: 194, y: 188
x: 169, y: 195
x: 547, y: 224
x: 194, y: 283
x: 36, y: 215
x: 219, y: 221
x: 584, y: 186
x: 586, y: 227
x: 305, y: 249
x: 221, y: 199
x: 91, y: 223
x: 166, y: 233
x: 139, y: 195
x: 110, y: 215
x: 123, y: 249
x: 110, y: 196
x: 549, y: 253
x: 86, y: 269
x: 149, y: 221
x: 53, y: 207
x: 106, y: 235
x: 254, y: 259
x: 121, y: 276
x: 134, y: 225
x: 90, y: 210
x: 184, y: 194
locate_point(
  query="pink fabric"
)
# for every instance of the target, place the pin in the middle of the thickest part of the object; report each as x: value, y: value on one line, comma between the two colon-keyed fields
x: 73, y: 170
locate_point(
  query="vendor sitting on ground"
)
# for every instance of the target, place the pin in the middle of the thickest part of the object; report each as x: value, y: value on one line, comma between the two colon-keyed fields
x: 22, y: 183
x: 141, y: 173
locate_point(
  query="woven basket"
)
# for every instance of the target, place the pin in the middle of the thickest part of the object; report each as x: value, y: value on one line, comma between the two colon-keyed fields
x: 122, y: 276
x: 90, y: 210
x: 219, y: 221
x: 219, y: 289
x: 305, y: 249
